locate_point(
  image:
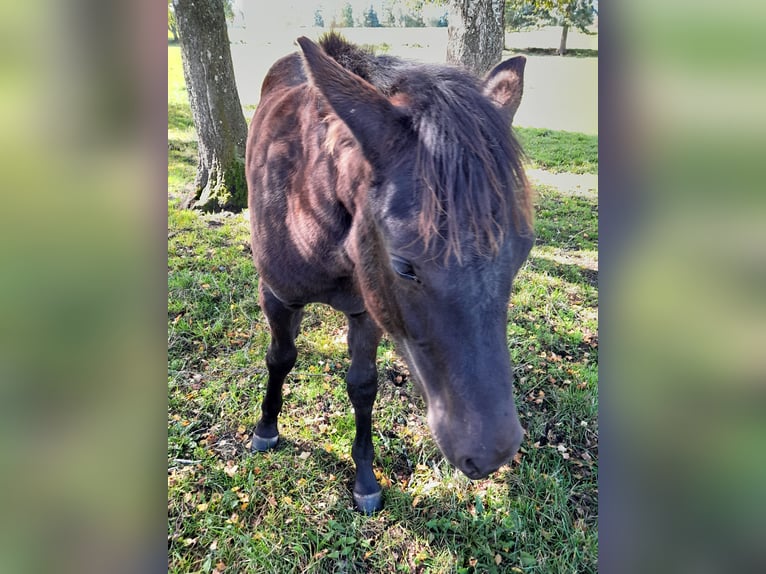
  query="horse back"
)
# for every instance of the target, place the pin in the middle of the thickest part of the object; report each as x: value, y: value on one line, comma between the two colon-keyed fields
x: 302, y: 170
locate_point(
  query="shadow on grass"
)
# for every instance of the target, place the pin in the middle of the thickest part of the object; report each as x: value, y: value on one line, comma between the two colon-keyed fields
x: 571, y: 272
x: 570, y: 53
x: 428, y: 530
x: 565, y: 222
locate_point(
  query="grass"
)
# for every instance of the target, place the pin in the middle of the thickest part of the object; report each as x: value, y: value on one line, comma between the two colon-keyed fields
x: 559, y: 151
x: 290, y: 510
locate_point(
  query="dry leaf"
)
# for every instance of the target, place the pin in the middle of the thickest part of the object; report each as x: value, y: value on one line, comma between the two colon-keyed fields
x: 498, y: 559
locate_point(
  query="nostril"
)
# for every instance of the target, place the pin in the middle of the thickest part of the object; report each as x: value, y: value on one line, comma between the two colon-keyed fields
x: 470, y: 468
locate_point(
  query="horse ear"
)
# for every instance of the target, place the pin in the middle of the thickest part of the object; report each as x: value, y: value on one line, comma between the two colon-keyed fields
x: 504, y: 85
x: 372, y: 119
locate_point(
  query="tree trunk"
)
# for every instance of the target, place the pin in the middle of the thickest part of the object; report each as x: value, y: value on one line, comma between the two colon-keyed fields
x: 563, y: 43
x: 475, y: 35
x: 217, y: 114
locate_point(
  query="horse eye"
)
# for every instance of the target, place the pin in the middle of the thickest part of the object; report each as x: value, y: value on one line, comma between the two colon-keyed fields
x: 403, y: 268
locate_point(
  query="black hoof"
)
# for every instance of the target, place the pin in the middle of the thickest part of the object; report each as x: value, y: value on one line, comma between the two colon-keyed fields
x: 260, y: 444
x: 369, y: 503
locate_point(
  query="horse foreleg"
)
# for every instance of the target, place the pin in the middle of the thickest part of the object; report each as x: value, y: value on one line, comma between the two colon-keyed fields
x: 284, y: 324
x: 362, y: 386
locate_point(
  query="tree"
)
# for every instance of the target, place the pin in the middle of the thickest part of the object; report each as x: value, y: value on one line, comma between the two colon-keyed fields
x: 475, y: 34
x: 388, y: 13
x: 564, y: 13
x: 318, y: 20
x: 520, y: 14
x: 347, y: 16
x: 216, y: 111
x: 371, y: 18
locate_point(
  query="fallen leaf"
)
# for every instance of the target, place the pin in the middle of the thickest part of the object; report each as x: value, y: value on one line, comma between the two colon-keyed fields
x: 304, y: 455
x: 498, y: 559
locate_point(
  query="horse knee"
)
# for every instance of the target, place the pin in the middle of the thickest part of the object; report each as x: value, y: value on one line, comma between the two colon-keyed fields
x: 281, y: 358
x: 362, y: 385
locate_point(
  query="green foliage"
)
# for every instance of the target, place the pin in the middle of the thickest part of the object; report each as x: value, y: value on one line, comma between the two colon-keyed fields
x: 572, y: 13
x: 228, y: 10
x: 318, y: 19
x: 520, y: 14
x: 172, y: 26
x: 347, y: 16
x: 389, y: 19
x: 413, y: 21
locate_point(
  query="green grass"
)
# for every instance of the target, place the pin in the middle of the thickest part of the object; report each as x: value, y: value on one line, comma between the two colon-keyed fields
x: 291, y: 510
x: 559, y: 151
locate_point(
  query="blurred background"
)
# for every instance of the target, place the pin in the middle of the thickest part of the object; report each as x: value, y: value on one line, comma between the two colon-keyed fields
x: 82, y: 286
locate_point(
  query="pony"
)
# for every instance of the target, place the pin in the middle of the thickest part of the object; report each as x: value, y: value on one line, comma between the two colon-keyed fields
x: 393, y: 191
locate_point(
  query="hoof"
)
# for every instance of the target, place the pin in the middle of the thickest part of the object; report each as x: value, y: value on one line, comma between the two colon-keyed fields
x: 260, y: 444
x: 369, y: 503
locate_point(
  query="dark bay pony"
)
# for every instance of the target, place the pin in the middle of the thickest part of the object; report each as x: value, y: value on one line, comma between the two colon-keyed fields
x: 394, y: 192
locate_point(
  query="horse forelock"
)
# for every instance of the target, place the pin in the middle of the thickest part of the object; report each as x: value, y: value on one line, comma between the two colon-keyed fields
x: 468, y: 164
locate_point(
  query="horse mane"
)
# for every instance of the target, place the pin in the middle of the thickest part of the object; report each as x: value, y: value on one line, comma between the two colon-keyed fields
x: 464, y: 143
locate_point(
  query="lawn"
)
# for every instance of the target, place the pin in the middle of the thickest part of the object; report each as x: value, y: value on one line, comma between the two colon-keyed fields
x: 291, y: 510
